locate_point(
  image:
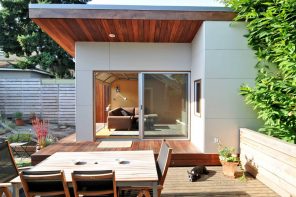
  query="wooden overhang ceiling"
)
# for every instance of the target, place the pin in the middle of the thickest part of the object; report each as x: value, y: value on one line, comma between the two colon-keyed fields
x: 67, y: 24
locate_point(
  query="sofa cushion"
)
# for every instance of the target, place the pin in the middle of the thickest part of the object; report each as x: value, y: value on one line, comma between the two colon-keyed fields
x: 124, y: 113
x: 115, y: 112
x: 130, y: 110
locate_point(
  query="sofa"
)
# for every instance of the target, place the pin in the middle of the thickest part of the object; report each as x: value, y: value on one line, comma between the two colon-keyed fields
x: 121, y: 118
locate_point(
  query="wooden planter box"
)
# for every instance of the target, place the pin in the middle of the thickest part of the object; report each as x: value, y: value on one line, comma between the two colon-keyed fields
x: 270, y: 160
x: 29, y: 148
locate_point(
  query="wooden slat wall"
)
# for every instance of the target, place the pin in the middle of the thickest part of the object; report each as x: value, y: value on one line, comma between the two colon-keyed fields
x: 270, y: 160
x: 102, y: 96
x: 51, y: 101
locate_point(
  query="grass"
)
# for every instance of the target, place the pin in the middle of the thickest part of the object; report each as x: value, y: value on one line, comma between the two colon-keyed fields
x: 22, y: 162
x: 19, y: 137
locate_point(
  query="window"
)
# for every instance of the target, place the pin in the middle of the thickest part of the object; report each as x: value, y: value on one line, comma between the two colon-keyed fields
x: 165, y: 104
x: 197, y: 96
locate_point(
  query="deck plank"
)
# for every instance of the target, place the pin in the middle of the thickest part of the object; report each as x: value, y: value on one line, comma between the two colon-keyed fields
x: 214, y: 184
x: 184, y: 152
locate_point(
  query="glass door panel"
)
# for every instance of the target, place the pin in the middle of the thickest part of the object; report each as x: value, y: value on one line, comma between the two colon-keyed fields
x: 165, y: 105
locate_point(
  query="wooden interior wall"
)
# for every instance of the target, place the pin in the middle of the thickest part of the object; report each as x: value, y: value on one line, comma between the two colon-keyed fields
x: 102, y: 96
x: 128, y: 89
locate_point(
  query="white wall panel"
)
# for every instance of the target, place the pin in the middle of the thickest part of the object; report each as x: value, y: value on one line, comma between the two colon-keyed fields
x: 198, y: 72
x: 224, y: 101
x: 84, y: 84
x: 225, y: 35
x: 84, y: 123
x: 92, y: 56
x: 150, y: 56
x: 227, y: 130
x: 230, y: 63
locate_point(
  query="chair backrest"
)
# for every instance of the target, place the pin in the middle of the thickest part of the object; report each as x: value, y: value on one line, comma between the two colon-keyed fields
x: 163, y: 161
x: 94, y: 183
x: 8, y: 169
x: 44, y: 183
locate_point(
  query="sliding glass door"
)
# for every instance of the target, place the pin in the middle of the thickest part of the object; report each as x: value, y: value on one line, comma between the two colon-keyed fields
x: 164, y: 105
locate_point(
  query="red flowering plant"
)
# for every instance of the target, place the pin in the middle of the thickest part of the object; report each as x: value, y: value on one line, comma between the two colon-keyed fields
x: 41, y: 130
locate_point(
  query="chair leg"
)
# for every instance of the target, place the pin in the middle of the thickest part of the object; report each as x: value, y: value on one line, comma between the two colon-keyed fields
x: 159, y: 192
x: 1, y: 191
x: 6, y: 191
x: 140, y: 194
x: 143, y: 193
x: 147, y: 193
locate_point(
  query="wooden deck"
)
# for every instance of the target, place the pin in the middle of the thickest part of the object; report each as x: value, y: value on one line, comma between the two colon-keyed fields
x: 176, y: 184
x: 184, y: 152
x: 214, y: 184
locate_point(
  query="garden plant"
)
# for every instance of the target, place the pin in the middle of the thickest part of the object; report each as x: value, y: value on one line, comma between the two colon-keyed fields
x: 271, y: 26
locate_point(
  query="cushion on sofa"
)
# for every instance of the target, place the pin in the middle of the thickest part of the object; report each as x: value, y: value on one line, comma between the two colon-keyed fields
x: 130, y: 110
x: 124, y: 113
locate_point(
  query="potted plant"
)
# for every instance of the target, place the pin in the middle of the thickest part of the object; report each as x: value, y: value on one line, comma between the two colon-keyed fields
x: 19, y: 119
x: 228, y: 159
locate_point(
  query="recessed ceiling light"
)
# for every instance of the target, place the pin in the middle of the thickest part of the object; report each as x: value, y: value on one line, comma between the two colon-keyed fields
x: 112, y: 35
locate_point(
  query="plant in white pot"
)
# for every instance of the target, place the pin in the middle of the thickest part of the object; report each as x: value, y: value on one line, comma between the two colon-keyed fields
x: 228, y: 159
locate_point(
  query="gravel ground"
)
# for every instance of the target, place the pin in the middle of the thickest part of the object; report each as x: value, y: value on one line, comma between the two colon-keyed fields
x: 54, y: 130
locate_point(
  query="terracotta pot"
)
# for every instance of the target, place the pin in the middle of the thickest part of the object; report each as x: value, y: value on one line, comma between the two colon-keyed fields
x: 19, y: 122
x: 229, y: 168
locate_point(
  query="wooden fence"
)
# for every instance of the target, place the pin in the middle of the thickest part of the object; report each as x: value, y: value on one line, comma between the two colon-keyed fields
x: 50, y: 99
x: 270, y: 160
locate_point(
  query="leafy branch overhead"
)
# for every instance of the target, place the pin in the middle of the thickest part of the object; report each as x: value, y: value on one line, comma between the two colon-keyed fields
x: 272, y: 35
x: 20, y: 36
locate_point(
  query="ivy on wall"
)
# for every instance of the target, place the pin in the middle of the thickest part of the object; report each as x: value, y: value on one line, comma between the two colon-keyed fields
x: 272, y: 35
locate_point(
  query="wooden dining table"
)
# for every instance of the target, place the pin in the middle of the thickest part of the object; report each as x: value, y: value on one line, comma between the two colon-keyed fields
x: 132, y: 168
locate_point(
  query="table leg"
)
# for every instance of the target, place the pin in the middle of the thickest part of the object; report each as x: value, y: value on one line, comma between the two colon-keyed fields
x: 154, y: 188
x: 15, y: 190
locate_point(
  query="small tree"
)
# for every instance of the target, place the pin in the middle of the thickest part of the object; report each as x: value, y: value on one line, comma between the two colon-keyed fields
x: 20, y: 36
x: 272, y: 35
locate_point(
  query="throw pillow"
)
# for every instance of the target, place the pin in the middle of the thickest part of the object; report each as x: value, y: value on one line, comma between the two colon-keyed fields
x: 124, y: 113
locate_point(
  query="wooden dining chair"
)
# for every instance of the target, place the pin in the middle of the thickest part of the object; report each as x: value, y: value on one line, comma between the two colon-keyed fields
x: 44, y: 183
x: 162, y: 164
x: 8, y: 169
x: 94, y: 183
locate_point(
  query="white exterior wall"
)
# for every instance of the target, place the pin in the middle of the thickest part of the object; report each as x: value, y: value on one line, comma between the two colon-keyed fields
x: 229, y: 63
x: 198, y: 72
x: 218, y: 55
x: 96, y: 56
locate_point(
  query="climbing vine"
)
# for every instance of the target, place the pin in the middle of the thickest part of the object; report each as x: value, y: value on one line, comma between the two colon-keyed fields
x: 272, y: 35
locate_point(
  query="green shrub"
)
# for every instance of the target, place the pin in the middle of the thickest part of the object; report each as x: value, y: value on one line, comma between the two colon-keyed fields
x: 272, y: 35
x: 20, y: 137
x: 23, y: 163
x: 227, y: 153
x: 18, y: 115
x: 10, y: 124
x: 50, y: 140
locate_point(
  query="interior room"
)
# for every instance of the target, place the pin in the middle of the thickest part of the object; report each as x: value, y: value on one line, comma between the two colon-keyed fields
x: 116, y: 98
x: 162, y: 96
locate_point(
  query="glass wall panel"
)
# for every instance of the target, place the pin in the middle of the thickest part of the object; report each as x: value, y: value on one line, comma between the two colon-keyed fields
x: 165, y: 105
